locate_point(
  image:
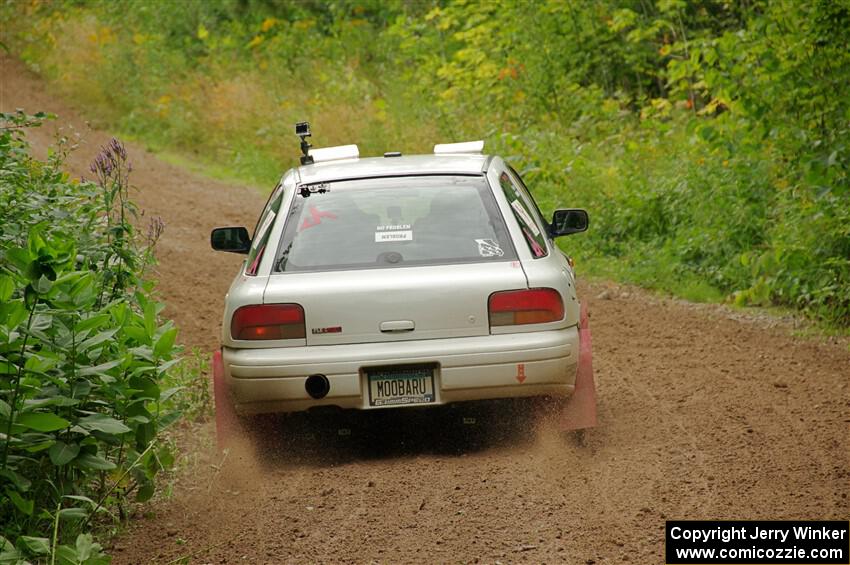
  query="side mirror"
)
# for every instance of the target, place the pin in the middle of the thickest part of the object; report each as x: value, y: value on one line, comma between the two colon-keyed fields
x: 234, y: 240
x: 568, y: 220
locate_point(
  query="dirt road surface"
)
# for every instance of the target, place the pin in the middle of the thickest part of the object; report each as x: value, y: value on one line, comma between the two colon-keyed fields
x: 703, y: 415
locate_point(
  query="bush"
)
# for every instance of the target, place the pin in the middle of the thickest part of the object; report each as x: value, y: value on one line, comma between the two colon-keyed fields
x: 83, y: 353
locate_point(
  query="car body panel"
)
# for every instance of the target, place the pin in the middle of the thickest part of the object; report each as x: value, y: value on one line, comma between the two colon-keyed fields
x: 275, y: 377
x: 551, y: 271
x: 439, y: 301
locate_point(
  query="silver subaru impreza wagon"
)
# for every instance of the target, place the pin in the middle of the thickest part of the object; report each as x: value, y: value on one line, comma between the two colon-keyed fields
x: 398, y: 281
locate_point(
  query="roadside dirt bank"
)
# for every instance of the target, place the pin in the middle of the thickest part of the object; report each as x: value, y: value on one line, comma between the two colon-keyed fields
x: 702, y: 416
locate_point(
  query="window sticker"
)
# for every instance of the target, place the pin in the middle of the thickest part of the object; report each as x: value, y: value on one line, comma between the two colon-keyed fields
x: 261, y: 232
x: 393, y: 232
x: 255, y: 265
x: 384, y: 236
x: 393, y: 227
x: 536, y: 249
x: 525, y: 217
x: 489, y: 248
x: 315, y: 218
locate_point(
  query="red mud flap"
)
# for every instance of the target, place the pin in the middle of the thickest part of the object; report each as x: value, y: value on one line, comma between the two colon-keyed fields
x: 225, y: 417
x: 580, y: 410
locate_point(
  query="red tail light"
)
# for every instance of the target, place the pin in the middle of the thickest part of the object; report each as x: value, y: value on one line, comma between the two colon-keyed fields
x: 268, y: 321
x: 533, y: 306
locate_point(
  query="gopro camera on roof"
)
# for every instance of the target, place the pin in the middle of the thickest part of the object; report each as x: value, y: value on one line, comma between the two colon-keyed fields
x: 302, y: 130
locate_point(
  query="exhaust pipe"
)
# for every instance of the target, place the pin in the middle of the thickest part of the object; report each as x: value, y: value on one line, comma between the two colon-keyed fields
x: 317, y: 386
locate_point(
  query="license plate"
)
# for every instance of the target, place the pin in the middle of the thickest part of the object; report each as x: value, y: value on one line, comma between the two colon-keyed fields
x: 400, y: 386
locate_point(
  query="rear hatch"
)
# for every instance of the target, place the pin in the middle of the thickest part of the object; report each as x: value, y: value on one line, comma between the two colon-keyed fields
x: 394, y: 258
x: 374, y: 305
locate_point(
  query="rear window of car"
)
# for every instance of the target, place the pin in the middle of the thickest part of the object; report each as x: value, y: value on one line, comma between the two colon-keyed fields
x: 394, y: 222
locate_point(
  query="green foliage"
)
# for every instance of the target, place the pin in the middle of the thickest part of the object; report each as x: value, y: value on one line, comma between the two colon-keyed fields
x: 83, y: 353
x: 708, y: 138
x: 191, y: 385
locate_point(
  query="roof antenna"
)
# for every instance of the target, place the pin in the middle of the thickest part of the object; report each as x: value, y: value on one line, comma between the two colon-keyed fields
x: 302, y: 130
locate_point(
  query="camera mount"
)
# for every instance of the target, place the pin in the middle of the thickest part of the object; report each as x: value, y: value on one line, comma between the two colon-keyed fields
x: 302, y: 130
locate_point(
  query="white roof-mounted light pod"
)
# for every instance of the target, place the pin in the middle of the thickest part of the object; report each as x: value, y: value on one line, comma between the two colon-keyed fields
x: 467, y: 147
x: 324, y: 154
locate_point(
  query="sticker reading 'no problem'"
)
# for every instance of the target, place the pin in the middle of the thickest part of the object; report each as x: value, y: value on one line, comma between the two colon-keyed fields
x: 398, y: 232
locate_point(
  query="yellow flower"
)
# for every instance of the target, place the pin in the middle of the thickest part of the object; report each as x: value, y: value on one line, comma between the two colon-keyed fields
x: 256, y: 41
x: 163, y: 105
x: 268, y: 23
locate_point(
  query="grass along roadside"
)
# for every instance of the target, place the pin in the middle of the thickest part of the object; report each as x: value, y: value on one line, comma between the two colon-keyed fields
x: 769, y: 318
x: 219, y: 171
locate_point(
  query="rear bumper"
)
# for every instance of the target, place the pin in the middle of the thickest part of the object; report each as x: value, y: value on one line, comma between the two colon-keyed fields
x: 469, y: 368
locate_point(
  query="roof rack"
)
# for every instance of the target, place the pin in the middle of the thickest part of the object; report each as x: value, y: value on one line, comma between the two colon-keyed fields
x: 474, y: 147
x: 334, y: 153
